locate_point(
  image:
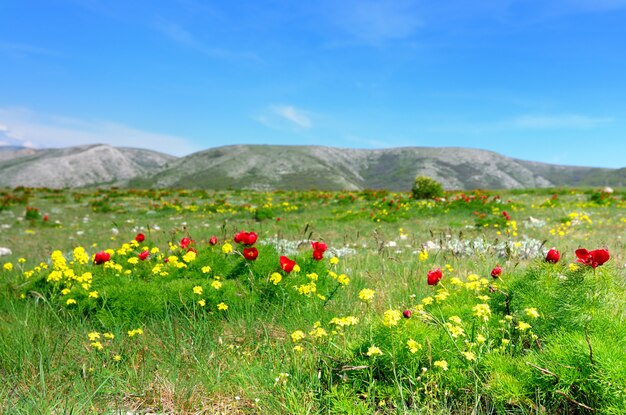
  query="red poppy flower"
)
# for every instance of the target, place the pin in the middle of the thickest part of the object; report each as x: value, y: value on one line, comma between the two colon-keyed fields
x: 287, y: 264
x: 45, y: 218
x: 239, y: 237
x: 140, y: 237
x: 406, y: 313
x: 213, y: 240
x: 593, y: 258
x: 250, y: 253
x: 250, y: 238
x: 143, y: 255
x: 506, y: 215
x: 318, y: 255
x: 318, y: 250
x: 246, y: 238
x: 319, y: 246
x: 496, y: 272
x: 101, y: 257
x: 553, y: 256
x: 185, y: 242
x: 434, y: 276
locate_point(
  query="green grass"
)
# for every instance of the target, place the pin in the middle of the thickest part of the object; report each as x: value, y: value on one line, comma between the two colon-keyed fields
x: 466, y: 347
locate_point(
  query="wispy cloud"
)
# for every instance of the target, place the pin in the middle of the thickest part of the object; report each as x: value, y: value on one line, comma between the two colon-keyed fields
x: 373, y: 22
x: 21, y: 126
x: 283, y: 117
x: 188, y: 39
x: 22, y: 49
x: 295, y: 116
x: 564, y: 121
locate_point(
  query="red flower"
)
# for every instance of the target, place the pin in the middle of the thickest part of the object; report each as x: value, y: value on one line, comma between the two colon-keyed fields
x: 593, y: 258
x: 287, y: 264
x: 318, y: 250
x: 496, y: 272
x: 238, y: 237
x: 434, y: 276
x: 101, y: 257
x: 318, y: 255
x: 45, y: 218
x: 185, y: 242
x: 140, y: 237
x: 213, y: 240
x: 143, y: 255
x: 506, y: 215
x: 553, y: 256
x: 319, y: 246
x: 406, y: 313
x: 250, y: 253
x: 250, y: 238
x: 246, y: 238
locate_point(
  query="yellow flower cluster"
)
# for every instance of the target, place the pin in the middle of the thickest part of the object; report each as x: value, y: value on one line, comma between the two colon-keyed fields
x: 366, y: 295
x: 344, y: 321
x: 391, y: 318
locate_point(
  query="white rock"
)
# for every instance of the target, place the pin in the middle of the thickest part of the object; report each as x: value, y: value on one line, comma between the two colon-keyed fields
x: 5, y: 251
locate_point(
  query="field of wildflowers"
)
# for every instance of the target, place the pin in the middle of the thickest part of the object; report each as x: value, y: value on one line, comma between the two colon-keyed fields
x: 173, y: 301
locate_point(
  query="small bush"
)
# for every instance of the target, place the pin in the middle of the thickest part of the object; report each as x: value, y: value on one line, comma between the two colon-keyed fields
x: 426, y: 188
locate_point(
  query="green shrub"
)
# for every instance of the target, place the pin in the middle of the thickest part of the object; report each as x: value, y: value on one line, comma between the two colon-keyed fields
x: 426, y: 188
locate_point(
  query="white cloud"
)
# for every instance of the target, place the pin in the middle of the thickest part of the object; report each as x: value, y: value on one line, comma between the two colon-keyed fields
x: 296, y: 116
x: 285, y: 117
x: 32, y: 129
x: 564, y: 121
x: 374, y: 22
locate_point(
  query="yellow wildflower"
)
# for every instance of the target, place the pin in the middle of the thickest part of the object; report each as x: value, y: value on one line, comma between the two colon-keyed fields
x: 117, y: 357
x: 532, y: 312
x: 8, y: 266
x: 391, y: 318
x: 97, y: 345
x: 423, y: 255
x: 109, y: 336
x: 522, y: 326
x: 222, y: 306
x: 296, y: 268
x: 427, y: 300
x: 216, y: 284
x: 297, y: 335
x: 227, y: 248
x: 134, y: 332
x: 21, y: 260
x: 482, y: 311
x: 70, y: 301
x: 334, y: 260
x: 366, y: 295
x: 93, y: 294
x: 469, y: 356
x: 413, y: 346
x: 206, y: 269
x: 275, y: 278
x: 202, y: 302
x: 197, y: 290
x: 190, y: 256
x: 374, y: 351
x: 343, y: 279
x: 93, y: 336
x: 298, y: 348
x: 441, y: 364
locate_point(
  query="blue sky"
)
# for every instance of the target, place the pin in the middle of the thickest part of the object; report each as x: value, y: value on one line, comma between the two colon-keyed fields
x: 537, y: 80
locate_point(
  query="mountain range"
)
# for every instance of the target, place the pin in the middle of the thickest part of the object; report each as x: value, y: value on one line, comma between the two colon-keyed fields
x: 269, y: 167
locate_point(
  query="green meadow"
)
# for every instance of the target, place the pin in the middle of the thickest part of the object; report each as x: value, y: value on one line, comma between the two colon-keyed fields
x: 116, y: 301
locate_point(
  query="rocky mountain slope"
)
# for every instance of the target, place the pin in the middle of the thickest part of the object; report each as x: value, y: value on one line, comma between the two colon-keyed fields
x: 89, y: 165
x: 265, y: 167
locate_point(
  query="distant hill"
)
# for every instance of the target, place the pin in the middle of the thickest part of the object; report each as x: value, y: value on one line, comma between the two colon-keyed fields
x: 89, y: 165
x: 266, y: 167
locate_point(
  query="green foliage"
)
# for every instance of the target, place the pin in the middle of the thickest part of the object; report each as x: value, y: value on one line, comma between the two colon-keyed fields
x: 192, y: 357
x: 426, y: 188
